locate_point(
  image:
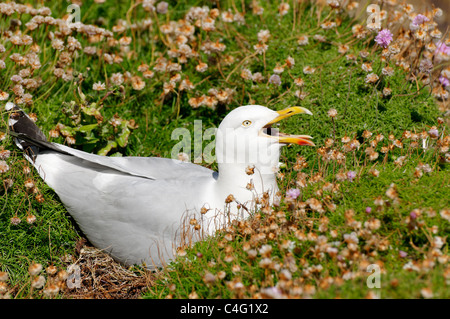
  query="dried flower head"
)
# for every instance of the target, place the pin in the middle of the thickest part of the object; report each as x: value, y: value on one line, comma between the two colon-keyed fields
x: 303, y: 40
x: 275, y: 79
x: 263, y: 36
x: 38, y: 282
x: 332, y: 113
x: 34, y: 269
x: 99, y: 86
x: 137, y: 83
x: 31, y: 219
x: 15, y: 220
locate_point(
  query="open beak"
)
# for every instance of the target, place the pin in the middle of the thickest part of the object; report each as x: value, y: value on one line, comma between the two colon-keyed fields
x: 268, y: 131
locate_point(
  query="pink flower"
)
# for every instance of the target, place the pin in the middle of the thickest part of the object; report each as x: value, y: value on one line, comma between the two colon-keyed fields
x: 444, y: 81
x: 384, y: 37
x: 442, y: 48
x: 293, y: 193
x: 275, y: 79
x: 162, y: 7
x: 419, y: 19
x: 402, y: 253
x: 433, y: 132
x: 351, y: 175
x: 368, y: 209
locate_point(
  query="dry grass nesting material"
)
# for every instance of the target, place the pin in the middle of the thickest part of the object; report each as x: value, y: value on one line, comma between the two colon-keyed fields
x: 104, y: 278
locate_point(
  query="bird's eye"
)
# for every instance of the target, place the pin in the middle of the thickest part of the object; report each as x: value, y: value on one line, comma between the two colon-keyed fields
x: 246, y: 123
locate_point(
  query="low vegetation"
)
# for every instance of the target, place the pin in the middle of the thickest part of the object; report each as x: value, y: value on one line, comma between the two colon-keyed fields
x: 369, y: 204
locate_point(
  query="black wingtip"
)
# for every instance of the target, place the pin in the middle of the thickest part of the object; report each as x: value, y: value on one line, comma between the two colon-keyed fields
x: 19, y: 122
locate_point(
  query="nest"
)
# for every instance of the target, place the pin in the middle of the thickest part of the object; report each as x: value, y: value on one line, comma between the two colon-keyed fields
x: 104, y: 278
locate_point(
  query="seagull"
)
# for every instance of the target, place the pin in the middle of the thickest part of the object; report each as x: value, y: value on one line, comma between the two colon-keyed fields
x: 141, y: 210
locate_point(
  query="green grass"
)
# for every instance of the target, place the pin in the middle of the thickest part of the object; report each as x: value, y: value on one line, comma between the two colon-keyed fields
x: 337, y: 83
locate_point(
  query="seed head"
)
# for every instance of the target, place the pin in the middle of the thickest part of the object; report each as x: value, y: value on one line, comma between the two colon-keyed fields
x: 229, y: 199
x: 38, y: 282
x: 15, y: 220
x: 31, y: 219
x: 275, y: 79
x: 4, y: 276
x: 209, y: 278
x: 51, y: 290
x: 332, y: 113
x: 4, y: 167
x: 35, y: 269
x: 250, y: 170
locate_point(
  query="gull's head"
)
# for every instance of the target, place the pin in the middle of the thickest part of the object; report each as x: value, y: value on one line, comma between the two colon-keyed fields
x: 247, y: 136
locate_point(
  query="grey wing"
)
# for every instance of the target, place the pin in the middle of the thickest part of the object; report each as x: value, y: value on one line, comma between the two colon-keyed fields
x: 149, y: 167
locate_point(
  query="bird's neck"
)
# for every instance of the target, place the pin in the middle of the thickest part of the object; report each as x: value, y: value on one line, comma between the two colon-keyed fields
x: 234, y: 177
x: 247, y: 168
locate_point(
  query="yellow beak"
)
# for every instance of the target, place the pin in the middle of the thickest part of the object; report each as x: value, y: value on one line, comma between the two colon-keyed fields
x: 288, y: 112
x: 291, y: 139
